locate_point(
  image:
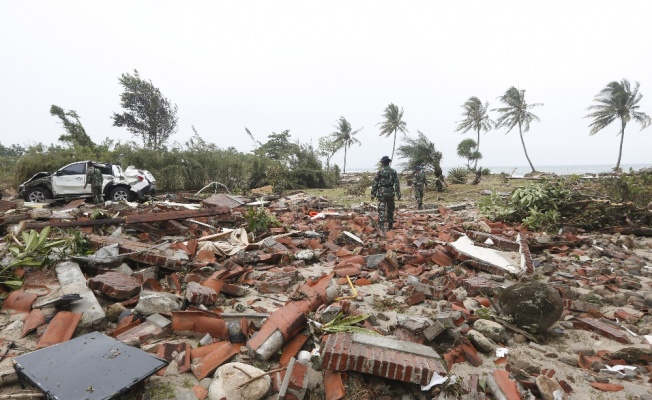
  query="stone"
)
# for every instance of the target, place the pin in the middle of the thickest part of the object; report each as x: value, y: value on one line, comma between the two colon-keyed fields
x: 480, y: 341
x: 492, y: 330
x: 648, y: 301
x: 157, y: 303
x: 533, y: 306
x: 229, y: 376
x: 550, y: 388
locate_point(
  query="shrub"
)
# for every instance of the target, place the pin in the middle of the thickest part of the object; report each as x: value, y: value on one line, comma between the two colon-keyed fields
x: 459, y: 175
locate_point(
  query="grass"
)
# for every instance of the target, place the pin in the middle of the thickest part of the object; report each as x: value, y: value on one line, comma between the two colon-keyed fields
x: 452, y: 194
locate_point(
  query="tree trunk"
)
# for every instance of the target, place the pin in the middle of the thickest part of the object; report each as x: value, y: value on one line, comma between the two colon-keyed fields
x: 475, y: 166
x: 394, y: 146
x: 345, y: 159
x: 520, y: 132
x: 622, y: 139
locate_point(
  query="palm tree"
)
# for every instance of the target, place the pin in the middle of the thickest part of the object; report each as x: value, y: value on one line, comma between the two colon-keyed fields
x: 515, y: 113
x: 344, y: 137
x: 617, y: 100
x: 476, y: 118
x: 393, y: 123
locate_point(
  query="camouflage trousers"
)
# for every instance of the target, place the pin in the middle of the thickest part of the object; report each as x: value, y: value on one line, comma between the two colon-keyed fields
x: 97, y: 194
x: 386, y: 208
x: 418, y: 195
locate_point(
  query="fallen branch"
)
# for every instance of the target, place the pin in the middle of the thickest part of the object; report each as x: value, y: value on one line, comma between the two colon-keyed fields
x: 260, y: 376
x: 28, y: 395
x: 211, y: 184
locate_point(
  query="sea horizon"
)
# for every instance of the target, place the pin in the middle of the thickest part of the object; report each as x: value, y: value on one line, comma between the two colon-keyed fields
x: 520, y: 171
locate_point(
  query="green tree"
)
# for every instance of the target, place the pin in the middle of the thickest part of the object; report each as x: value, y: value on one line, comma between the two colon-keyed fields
x: 468, y: 149
x: 344, y: 137
x: 516, y: 113
x: 14, y: 150
x: 327, y: 149
x: 149, y: 115
x: 421, y: 151
x: 393, y: 123
x: 476, y: 119
x: 76, y: 134
x: 617, y: 101
x: 278, y: 147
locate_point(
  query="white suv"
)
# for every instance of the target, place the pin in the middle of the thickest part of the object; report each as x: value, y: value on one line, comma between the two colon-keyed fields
x: 69, y: 182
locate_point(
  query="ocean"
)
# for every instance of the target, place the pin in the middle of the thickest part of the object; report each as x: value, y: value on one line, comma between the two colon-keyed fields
x: 520, y: 171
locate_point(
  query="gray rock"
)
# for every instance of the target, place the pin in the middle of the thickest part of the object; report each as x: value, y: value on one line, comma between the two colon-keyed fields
x: 492, y: 330
x: 648, y: 301
x: 227, y: 378
x: 151, y: 302
x: 480, y: 341
x: 533, y: 306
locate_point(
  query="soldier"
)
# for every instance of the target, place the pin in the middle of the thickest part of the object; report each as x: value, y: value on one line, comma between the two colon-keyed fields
x: 419, y: 184
x: 95, y: 178
x: 385, y: 186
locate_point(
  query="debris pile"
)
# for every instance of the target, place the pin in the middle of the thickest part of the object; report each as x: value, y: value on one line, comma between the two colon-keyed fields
x: 446, y: 305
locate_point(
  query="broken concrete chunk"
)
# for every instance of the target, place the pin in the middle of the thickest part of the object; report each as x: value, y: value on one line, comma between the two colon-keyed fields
x: 73, y: 282
x: 228, y: 379
x: 198, y: 294
x: 157, y: 303
x: 413, y: 323
x: 480, y: 341
x: 533, y: 306
x: 492, y: 330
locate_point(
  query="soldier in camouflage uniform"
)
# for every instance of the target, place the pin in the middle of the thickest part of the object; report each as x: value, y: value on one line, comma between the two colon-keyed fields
x: 419, y: 184
x: 385, y: 186
x: 95, y: 178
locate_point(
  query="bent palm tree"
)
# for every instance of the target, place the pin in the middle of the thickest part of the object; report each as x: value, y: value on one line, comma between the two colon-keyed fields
x: 516, y: 113
x: 393, y: 123
x: 617, y: 100
x: 476, y: 118
x: 344, y: 137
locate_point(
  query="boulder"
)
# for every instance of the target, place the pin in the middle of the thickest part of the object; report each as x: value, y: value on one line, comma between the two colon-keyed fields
x: 533, y: 306
x: 229, y: 376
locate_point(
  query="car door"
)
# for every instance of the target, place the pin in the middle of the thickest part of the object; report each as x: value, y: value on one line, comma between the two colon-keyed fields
x: 70, y: 180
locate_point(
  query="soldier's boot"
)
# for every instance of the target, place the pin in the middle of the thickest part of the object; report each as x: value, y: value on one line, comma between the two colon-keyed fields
x: 381, y: 229
x: 390, y: 226
x: 419, y: 206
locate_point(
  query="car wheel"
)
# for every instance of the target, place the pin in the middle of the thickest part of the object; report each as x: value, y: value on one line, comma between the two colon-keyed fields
x: 38, y: 194
x: 119, y: 194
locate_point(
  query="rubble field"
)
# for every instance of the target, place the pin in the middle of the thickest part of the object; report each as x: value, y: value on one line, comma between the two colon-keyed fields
x: 297, y: 298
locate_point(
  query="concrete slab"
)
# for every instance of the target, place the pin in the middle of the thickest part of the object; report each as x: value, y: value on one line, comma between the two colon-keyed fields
x: 72, y: 281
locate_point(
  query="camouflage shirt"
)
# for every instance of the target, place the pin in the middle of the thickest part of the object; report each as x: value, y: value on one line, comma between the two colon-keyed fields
x: 94, y: 176
x: 419, y: 179
x: 386, y: 183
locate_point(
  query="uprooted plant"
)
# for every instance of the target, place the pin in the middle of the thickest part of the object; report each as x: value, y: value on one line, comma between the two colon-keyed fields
x: 606, y: 202
x: 35, y: 250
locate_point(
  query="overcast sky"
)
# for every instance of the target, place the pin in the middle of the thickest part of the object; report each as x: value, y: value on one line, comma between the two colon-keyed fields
x: 300, y: 65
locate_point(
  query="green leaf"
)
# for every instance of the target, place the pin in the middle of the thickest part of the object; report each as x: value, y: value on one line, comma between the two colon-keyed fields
x: 45, y: 232
x: 13, y: 285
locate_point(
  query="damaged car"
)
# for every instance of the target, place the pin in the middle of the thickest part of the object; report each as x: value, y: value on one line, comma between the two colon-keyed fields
x: 68, y: 182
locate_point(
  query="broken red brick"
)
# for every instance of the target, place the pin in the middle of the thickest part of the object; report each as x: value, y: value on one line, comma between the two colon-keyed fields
x: 115, y: 285
x: 415, y: 298
x: 380, y: 356
x: 602, y: 328
x: 506, y: 385
x: 607, y: 387
x: 333, y: 386
x: 60, y: 329
x: 20, y: 301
